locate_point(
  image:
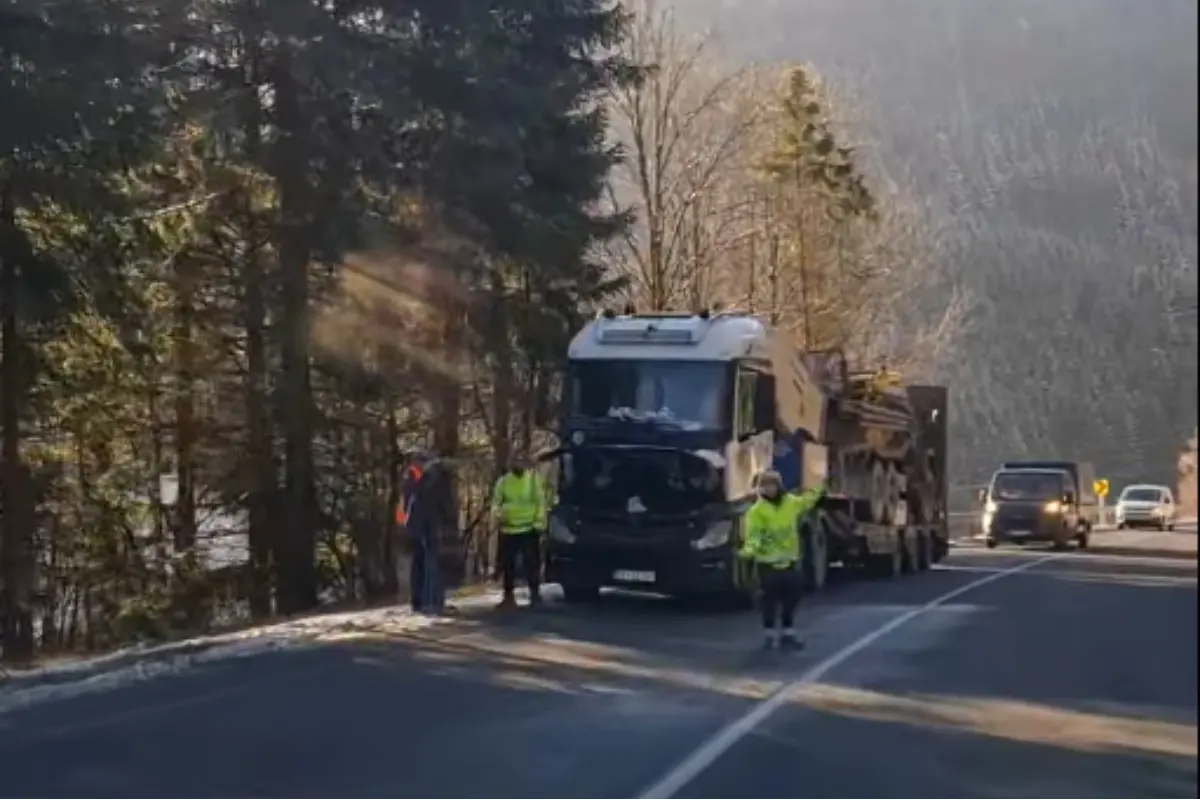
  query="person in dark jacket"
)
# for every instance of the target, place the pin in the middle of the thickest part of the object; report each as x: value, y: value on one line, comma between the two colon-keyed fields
x: 430, y: 512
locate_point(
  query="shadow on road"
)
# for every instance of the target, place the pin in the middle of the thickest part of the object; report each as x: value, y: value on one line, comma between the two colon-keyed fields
x: 1076, y: 678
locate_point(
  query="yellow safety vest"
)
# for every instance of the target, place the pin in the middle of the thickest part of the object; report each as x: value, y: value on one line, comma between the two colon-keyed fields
x: 520, y: 503
x: 773, y: 529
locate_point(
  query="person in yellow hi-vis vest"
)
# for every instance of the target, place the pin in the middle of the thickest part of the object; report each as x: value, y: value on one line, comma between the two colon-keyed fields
x: 772, y: 542
x: 519, y: 506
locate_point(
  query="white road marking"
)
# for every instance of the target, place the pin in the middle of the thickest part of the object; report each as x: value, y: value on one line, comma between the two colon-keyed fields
x: 708, y: 753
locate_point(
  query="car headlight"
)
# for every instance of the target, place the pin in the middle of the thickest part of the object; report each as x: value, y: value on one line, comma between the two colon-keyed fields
x: 1157, y: 512
x: 560, y: 531
x: 715, y: 535
x: 1052, y: 507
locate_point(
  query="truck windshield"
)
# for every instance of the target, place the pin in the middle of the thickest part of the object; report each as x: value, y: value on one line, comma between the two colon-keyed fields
x: 613, y: 482
x: 1142, y: 495
x: 689, y: 393
x: 1027, y: 486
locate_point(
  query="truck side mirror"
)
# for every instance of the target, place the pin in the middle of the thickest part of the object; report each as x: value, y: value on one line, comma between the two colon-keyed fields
x: 1068, y: 498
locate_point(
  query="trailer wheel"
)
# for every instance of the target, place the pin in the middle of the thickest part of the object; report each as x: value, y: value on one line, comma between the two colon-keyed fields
x: 910, y: 553
x: 888, y: 565
x: 816, y: 556
x: 924, y: 551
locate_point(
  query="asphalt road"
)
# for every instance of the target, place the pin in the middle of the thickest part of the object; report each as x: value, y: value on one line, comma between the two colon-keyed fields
x: 1074, y: 676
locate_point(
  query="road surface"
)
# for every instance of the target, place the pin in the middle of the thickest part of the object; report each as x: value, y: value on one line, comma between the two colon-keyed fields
x: 1003, y: 674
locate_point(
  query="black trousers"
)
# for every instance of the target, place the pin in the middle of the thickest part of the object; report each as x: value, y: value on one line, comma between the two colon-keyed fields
x: 781, y: 589
x: 523, y: 549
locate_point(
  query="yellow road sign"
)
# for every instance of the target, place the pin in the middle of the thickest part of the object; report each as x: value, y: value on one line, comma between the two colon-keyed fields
x: 1100, y: 486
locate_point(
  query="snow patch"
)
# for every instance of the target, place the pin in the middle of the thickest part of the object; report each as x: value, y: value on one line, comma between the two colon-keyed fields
x: 137, y: 664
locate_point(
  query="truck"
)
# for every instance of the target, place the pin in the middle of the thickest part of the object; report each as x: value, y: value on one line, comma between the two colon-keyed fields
x: 669, y: 419
x: 1014, y: 501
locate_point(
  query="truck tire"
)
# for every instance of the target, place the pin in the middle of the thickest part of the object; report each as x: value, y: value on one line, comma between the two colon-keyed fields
x: 578, y: 593
x: 908, y: 553
x: 887, y: 565
x: 815, y: 565
x: 924, y: 551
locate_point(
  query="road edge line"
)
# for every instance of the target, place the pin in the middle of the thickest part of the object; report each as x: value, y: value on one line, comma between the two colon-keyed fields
x: 703, y: 757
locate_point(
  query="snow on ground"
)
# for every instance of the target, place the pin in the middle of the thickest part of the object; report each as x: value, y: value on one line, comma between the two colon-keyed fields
x: 133, y: 665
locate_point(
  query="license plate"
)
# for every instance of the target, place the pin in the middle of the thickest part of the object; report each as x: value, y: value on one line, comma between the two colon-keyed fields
x: 633, y: 576
x: 1018, y: 534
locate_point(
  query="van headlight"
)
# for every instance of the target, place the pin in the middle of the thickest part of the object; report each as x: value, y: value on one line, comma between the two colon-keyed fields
x: 715, y: 535
x: 560, y: 531
x: 1053, y: 507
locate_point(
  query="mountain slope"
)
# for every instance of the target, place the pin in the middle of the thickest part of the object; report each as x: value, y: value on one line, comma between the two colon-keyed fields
x: 1054, y: 142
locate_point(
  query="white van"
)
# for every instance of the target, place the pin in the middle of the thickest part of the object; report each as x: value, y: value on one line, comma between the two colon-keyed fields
x: 1145, y: 505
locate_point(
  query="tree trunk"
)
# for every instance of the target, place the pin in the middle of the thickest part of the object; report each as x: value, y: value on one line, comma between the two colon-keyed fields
x: 297, y: 560
x: 448, y: 393
x: 16, y: 533
x: 263, y: 533
x: 185, y: 411
x: 503, y: 379
x: 391, y: 584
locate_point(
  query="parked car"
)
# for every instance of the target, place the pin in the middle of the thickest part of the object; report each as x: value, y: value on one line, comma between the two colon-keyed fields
x: 1146, y: 505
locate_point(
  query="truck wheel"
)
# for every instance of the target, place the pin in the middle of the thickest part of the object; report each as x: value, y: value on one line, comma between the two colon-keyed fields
x: 888, y: 565
x: 816, y: 558
x: 908, y: 553
x: 580, y: 593
x: 939, y: 548
x: 1082, y: 540
x: 924, y: 551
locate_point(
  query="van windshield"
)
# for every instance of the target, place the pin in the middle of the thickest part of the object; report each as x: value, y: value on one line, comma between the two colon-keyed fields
x: 1142, y: 495
x: 1028, y: 485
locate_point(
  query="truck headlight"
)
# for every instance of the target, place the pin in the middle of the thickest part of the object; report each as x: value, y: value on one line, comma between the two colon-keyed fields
x: 1157, y: 512
x: 1052, y: 507
x: 560, y: 531
x: 715, y: 535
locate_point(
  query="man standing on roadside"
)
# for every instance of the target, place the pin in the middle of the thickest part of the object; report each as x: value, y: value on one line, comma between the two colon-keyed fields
x: 519, y: 506
x: 428, y: 513
x: 774, y: 545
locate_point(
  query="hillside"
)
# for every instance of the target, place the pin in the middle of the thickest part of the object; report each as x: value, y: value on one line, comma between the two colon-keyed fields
x: 1054, y: 143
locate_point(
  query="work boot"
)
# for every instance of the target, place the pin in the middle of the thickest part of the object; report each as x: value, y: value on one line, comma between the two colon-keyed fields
x: 788, y: 641
x: 507, y: 604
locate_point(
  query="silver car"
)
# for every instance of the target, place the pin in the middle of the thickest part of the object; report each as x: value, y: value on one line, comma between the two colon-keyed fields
x: 1146, y: 506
